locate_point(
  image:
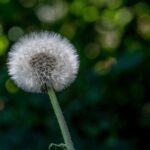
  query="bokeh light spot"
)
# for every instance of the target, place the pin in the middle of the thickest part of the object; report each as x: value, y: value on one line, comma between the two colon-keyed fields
x: 14, y: 33
x: 143, y: 26
x: 2, y: 105
x: 67, y: 30
x: 52, y: 13
x: 104, y: 66
x: 90, y: 14
x: 92, y: 50
x: 146, y: 108
x: 111, y: 4
x: 3, y: 44
x: 114, y: 4
x: 110, y: 40
x: 77, y: 7
x: 11, y: 87
x: 123, y: 16
x: 27, y: 3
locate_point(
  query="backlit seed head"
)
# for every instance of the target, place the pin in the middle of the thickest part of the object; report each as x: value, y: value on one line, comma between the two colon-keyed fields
x: 43, y: 65
x: 41, y: 60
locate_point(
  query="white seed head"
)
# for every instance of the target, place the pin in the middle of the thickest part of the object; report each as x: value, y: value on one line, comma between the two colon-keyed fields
x: 43, y: 59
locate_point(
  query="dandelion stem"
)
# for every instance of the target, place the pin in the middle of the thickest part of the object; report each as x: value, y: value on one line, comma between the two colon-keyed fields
x: 61, y: 120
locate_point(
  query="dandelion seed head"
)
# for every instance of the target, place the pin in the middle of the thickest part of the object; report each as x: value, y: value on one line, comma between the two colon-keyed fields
x: 43, y: 58
x: 42, y: 65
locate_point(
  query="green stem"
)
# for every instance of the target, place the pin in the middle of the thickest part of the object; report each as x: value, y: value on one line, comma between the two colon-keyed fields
x: 61, y: 120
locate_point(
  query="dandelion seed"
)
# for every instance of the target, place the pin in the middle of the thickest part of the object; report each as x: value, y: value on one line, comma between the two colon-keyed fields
x: 41, y: 60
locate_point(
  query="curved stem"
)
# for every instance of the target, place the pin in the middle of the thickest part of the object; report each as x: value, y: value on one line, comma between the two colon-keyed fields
x: 61, y: 120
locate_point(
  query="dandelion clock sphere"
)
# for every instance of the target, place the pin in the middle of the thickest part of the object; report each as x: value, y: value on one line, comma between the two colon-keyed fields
x: 40, y: 60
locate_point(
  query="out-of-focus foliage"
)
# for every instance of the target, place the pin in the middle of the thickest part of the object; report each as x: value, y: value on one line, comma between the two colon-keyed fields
x: 107, y: 107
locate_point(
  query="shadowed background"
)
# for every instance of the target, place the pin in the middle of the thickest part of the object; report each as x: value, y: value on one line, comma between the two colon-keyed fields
x: 107, y: 107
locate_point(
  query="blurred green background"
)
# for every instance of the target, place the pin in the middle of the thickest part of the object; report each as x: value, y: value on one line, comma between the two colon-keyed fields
x: 107, y: 107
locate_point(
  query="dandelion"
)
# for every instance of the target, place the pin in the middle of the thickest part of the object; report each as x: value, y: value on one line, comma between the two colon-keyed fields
x: 41, y: 62
x: 41, y: 59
